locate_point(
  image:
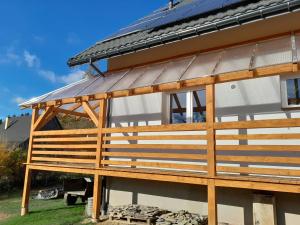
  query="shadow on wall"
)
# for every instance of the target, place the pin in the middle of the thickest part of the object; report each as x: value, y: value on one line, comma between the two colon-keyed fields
x: 234, y: 205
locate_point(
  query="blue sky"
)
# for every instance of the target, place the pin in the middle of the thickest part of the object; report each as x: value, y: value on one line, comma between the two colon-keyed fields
x: 37, y: 38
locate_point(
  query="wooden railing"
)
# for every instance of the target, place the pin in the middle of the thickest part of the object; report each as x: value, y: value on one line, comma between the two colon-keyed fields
x: 247, y: 148
x: 65, y: 147
x: 160, y: 147
x: 259, y: 148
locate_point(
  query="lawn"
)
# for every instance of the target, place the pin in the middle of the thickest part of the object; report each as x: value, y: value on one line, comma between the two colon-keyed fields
x: 42, y: 212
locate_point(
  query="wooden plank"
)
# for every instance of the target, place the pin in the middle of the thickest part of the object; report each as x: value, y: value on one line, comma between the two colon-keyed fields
x: 73, y: 113
x: 157, y: 146
x: 270, y: 148
x: 272, y: 123
x: 157, y: 128
x: 26, y: 192
x: 65, y: 132
x: 156, y: 177
x: 42, y: 117
x: 264, y: 171
x: 77, y: 146
x: 97, y: 192
x: 156, y: 155
x: 156, y: 164
x: 65, y: 160
x: 74, y: 153
x: 210, y: 119
x: 258, y: 136
x: 101, y: 126
x: 155, y: 137
x: 88, y: 109
x: 264, y: 186
x: 61, y: 168
x: 58, y: 139
x: 259, y: 159
x: 212, y: 203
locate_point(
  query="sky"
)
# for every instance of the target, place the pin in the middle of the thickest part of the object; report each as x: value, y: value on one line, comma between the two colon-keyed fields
x: 38, y: 37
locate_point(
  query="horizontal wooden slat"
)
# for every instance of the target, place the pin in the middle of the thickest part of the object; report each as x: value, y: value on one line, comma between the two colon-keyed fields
x: 158, y: 128
x: 65, y: 132
x: 79, y: 146
x: 257, y: 136
x: 274, y: 123
x: 156, y: 146
x: 155, y: 164
x: 156, y: 155
x: 259, y: 159
x: 273, y: 148
x: 75, y: 139
x: 263, y: 171
x: 155, y: 137
x: 75, y: 153
x: 65, y: 160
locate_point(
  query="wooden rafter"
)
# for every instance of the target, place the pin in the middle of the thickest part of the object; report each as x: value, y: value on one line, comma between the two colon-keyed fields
x: 41, y: 120
x: 91, y: 113
x: 73, y: 113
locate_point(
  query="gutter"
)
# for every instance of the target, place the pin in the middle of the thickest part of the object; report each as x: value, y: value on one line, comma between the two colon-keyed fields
x: 272, y: 11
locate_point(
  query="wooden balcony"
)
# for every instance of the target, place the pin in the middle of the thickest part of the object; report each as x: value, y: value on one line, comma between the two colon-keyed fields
x: 178, y: 152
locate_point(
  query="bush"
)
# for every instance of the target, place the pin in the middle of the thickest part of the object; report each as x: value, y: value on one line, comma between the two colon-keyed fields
x: 12, y: 168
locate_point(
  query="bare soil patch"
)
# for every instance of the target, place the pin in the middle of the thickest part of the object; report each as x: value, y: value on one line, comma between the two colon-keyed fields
x: 3, y: 216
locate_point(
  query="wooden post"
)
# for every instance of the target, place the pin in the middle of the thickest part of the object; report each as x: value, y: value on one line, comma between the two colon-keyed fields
x: 97, y: 179
x: 211, y: 154
x: 27, y: 180
x: 212, y: 203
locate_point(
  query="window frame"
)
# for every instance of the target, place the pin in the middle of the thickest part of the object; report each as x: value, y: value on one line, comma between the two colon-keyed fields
x: 189, y: 105
x: 284, y: 91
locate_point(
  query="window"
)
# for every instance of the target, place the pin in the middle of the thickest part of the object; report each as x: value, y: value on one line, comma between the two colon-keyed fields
x: 187, y: 107
x: 290, y: 91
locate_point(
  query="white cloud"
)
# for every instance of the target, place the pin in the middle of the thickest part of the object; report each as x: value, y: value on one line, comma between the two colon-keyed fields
x: 9, y: 55
x: 18, y: 100
x: 72, y: 77
x: 31, y: 59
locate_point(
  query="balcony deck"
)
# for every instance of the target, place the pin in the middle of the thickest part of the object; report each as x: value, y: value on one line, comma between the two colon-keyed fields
x: 178, y: 153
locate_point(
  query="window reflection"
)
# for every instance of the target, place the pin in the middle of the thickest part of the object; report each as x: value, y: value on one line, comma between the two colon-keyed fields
x: 293, y: 92
x: 199, y: 106
x: 178, y: 108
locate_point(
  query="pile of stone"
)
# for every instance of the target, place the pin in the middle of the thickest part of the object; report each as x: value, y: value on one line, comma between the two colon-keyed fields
x: 50, y: 193
x: 135, y: 211
x: 181, y: 218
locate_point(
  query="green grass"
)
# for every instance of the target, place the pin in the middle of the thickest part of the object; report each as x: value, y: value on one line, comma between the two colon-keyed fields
x: 42, y: 212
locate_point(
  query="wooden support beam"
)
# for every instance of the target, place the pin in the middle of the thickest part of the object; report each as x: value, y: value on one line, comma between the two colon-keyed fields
x: 38, y: 124
x: 97, y: 180
x: 210, y: 119
x: 212, y: 203
x: 73, y: 113
x: 27, y: 180
x: 88, y: 109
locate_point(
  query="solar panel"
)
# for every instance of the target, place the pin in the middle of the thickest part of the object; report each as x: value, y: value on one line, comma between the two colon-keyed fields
x: 183, y: 10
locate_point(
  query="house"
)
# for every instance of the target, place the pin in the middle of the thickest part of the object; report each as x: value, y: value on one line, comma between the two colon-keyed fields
x: 199, y: 110
x: 15, y: 131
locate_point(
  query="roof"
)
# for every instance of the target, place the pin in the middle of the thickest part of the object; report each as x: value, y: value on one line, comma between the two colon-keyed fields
x: 237, y: 14
x: 18, y: 130
x: 240, y: 58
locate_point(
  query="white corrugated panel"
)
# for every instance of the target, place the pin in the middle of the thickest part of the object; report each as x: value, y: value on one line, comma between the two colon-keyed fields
x: 174, y: 70
x: 102, y: 84
x: 235, y: 59
x: 203, y: 65
x: 128, y: 79
x: 273, y: 52
x: 150, y: 75
x: 298, y: 46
